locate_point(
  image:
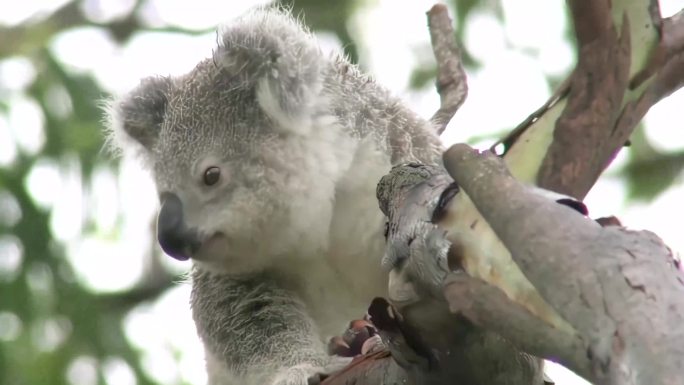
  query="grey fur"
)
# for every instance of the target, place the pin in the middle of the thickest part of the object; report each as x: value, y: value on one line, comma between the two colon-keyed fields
x: 255, y: 314
x: 301, y: 139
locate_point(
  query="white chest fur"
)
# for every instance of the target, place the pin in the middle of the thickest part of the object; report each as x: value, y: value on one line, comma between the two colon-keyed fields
x: 339, y: 287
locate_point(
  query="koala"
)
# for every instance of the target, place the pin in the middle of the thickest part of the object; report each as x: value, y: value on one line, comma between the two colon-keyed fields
x: 266, y: 157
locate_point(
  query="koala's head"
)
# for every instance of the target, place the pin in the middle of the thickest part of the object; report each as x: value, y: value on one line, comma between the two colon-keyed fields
x: 242, y: 148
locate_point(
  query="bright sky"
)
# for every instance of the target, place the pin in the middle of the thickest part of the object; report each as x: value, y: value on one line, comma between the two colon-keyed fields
x: 503, y: 92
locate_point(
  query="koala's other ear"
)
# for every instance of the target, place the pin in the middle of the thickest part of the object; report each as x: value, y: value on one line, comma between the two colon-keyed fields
x: 271, y: 51
x: 138, y: 115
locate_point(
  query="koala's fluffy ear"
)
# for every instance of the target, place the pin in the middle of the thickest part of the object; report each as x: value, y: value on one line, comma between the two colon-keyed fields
x: 270, y: 50
x: 138, y: 116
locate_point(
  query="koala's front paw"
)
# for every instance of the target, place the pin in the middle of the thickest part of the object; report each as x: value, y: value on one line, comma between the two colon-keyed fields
x: 361, y: 337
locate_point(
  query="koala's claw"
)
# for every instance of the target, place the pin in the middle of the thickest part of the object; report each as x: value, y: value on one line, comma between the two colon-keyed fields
x: 372, y: 345
x: 360, y: 338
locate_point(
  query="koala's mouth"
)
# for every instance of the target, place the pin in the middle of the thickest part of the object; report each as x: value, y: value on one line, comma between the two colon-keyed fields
x: 212, y: 246
x: 189, y: 244
x: 181, y: 241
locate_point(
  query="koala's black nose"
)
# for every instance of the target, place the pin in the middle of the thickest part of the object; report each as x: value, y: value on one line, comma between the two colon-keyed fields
x: 173, y: 234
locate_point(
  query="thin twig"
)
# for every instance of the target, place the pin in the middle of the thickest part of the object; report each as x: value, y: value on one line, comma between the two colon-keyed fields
x: 452, y: 84
x: 512, y: 136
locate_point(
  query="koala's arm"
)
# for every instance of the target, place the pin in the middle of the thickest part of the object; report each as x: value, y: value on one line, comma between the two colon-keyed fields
x: 254, y: 332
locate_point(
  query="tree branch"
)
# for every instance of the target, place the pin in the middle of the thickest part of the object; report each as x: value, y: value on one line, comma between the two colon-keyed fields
x: 616, y: 287
x: 629, y: 59
x: 582, y: 140
x: 452, y: 84
x: 489, y: 308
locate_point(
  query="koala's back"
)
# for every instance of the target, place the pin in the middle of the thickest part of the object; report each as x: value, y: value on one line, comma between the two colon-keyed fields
x: 368, y: 109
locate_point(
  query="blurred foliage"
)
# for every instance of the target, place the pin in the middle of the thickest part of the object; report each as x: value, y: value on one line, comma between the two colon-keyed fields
x: 650, y: 171
x: 331, y: 16
x: 49, y: 320
x: 54, y: 318
x: 60, y: 320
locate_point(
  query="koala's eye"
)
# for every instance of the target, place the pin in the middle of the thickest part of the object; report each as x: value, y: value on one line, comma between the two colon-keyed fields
x: 212, y: 175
